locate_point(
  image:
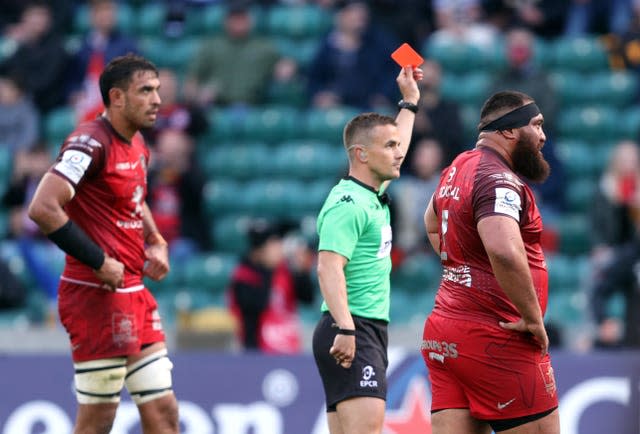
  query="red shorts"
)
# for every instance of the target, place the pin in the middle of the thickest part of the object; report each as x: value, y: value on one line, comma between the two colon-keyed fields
x: 103, y: 324
x: 495, y: 373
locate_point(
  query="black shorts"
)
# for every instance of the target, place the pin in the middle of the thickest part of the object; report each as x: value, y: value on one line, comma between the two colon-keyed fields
x: 367, y: 375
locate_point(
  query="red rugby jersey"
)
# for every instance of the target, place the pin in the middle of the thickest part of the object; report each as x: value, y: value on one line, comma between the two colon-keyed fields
x: 109, y: 175
x: 480, y: 183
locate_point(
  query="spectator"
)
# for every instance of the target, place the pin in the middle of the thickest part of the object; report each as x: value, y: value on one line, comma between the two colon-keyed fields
x: 175, y: 195
x: 438, y: 118
x: 102, y: 43
x: 236, y: 67
x: 412, y: 193
x: 598, y: 16
x: 524, y: 75
x: 19, y: 119
x: 40, y: 59
x: 352, y: 65
x: 175, y: 114
x: 265, y: 289
x: 461, y: 21
x: 37, y: 252
x: 619, y: 276
x: 545, y: 18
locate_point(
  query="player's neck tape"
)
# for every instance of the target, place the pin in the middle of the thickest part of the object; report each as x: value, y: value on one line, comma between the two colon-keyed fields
x: 514, y: 119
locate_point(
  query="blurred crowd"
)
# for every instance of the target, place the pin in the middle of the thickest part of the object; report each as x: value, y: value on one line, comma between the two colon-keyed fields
x: 52, y: 53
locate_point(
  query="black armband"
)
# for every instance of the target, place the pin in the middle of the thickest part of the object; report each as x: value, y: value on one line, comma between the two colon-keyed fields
x: 346, y: 332
x: 402, y: 104
x: 74, y: 242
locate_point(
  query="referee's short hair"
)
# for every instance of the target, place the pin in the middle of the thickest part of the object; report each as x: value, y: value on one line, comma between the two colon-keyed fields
x: 358, y: 129
x: 501, y: 103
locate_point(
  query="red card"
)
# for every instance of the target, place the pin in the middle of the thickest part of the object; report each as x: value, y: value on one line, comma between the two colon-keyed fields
x: 407, y: 56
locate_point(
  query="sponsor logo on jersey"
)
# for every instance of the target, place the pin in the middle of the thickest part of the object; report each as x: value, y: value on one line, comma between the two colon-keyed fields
x: 386, y: 237
x: 507, y: 202
x: 460, y: 275
x: 73, y: 164
x: 502, y: 405
x: 367, y: 374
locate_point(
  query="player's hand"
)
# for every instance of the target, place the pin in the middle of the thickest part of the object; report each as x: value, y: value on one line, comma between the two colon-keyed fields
x: 536, y: 329
x: 408, y: 83
x: 157, y: 265
x: 343, y: 350
x: 111, y: 274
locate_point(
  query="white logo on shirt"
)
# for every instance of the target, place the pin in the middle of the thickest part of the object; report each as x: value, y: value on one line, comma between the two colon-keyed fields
x: 73, y: 164
x: 503, y: 405
x: 385, y: 242
x: 507, y: 202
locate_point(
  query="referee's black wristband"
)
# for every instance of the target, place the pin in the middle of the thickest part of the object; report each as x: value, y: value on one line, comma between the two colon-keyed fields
x: 402, y: 104
x: 74, y: 242
x: 346, y: 332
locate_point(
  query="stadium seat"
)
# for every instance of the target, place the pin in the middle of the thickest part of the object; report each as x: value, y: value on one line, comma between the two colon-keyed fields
x: 168, y: 52
x: 630, y: 122
x: 125, y: 19
x: 58, y: 124
x: 467, y: 89
x: 581, y: 159
x: 302, y: 51
x: 573, y: 229
x: 223, y: 196
x: 229, y: 233
x: 470, y: 116
x: 327, y: 124
x: 418, y: 274
x: 225, y: 124
x: 586, y: 54
x: 209, y: 271
x: 151, y: 18
x: 458, y: 57
x: 205, y: 20
x: 273, y: 198
x: 590, y: 123
x: 563, y: 273
x: 619, y: 88
x: 570, y: 88
x: 298, y: 22
x: 271, y: 124
x: 580, y: 194
x: 292, y: 93
x: 307, y: 200
x: 566, y: 309
x: 309, y: 159
x: 236, y: 161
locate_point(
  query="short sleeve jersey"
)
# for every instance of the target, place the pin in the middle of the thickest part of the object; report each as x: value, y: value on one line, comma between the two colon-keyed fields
x: 109, y: 175
x: 480, y: 183
x: 355, y: 223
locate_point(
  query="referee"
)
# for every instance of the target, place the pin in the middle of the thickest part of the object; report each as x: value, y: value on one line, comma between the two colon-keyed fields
x: 350, y: 340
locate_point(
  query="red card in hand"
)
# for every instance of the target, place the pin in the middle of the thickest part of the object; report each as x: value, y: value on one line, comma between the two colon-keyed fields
x: 407, y: 56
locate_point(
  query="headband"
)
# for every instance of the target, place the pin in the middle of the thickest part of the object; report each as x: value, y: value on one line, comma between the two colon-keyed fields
x: 514, y: 119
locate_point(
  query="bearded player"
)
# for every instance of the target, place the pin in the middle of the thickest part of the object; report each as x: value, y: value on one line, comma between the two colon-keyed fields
x: 485, y: 344
x: 92, y: 205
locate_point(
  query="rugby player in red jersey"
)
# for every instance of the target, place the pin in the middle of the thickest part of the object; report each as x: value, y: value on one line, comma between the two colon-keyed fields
x: 485, y: 344
x: 91, y: 204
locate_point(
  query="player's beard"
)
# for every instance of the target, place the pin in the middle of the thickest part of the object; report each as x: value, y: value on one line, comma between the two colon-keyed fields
x: 528, y: 160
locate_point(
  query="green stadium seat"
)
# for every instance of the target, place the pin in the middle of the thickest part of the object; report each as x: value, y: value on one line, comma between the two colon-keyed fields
x: 298, y: 22
x: 125, y: 19
x: 151, y: 19
x: 273, y: 198
x: 580, y: 194
x: 58, y: 124
x: 410, y: 307
x: 467, y: 89
x: 225, y: 125
x: 309, y: 159
x: 573, y: 229
x: 210, y: 272
x: 470, y: 115
x: 229, y: 233
x: 586, y: 54
x: 630, y: 122
x: 236, y: 161
x: 271, y: 124
x: 566, y: 309
x: 617, y: 89
x: 292, y: 93
x: 418, y: 274
x: 563, y: 272
x: 302, y: 51
x: 307, y: 200
x: 206, y: 20
x: 224, y: 196
x: 170, y: 53
x: 327, y: 124
x: 458, y: 57
x: 581, y: 159
x: 589, y: 123
x: 570, y: 88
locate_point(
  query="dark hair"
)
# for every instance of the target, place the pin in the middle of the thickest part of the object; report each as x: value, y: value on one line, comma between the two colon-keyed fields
x: 362, y: 125
x: 120, y: 71
x: 500, y: 103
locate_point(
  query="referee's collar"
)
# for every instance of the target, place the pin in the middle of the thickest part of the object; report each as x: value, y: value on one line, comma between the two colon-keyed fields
x: 383, y: 198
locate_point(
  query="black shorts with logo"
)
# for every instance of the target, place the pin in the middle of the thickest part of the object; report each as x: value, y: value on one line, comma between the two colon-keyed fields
x: 367, y: 375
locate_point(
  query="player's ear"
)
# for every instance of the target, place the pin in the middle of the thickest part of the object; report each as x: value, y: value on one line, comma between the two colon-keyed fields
x: 363, y: 155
